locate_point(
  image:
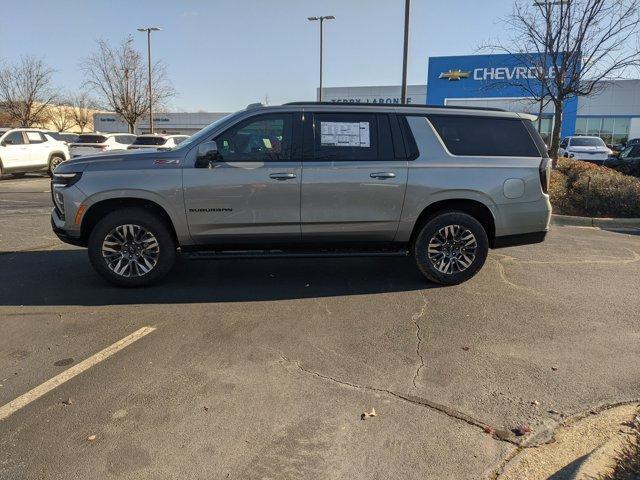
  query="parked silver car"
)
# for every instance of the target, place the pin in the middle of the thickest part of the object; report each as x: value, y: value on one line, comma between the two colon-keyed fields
x: 441, y: 184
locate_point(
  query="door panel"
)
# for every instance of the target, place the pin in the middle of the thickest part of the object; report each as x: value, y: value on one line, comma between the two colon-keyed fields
x: 39, y: 149
x: 358, y: 199
x: 251, y: 192
x: 14, y: 155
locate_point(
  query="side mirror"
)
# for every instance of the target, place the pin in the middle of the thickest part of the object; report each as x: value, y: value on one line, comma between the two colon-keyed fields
x: 207, y: 154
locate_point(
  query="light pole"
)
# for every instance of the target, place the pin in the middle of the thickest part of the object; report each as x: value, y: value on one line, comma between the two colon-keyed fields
x: 149, y: 30
x: 321, y: 19
x: 403, y: 92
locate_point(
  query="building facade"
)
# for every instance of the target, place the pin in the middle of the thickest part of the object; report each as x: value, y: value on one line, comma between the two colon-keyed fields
x: 491, y: 81
x: 169, y: 123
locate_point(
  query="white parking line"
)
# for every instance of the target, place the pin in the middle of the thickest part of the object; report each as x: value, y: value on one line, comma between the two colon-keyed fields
x: 40, y: 390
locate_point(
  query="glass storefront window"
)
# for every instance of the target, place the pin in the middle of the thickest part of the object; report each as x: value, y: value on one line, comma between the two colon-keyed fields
x: 581, y: 126
x: 613, y: 130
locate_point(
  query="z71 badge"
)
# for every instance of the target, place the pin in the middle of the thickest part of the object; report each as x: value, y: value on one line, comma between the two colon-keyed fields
x: 167, y: 161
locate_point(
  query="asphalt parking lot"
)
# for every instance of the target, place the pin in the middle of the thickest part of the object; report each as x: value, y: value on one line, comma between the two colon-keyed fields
x: 259, y: 369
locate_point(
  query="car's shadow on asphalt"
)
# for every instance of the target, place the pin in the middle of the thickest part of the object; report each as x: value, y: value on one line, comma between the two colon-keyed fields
x: 65, y: 277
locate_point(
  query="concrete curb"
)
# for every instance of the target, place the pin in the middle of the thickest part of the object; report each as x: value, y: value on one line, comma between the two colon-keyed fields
x: 571, y: 221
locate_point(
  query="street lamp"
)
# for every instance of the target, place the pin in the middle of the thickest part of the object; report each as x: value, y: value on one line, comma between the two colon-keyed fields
x: 149, y: 30
x: 321, y: 19
x: 403, y: 88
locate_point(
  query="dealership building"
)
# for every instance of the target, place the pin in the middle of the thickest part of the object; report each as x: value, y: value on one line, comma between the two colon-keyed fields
x: 470, y: 80
x: 493, y: 81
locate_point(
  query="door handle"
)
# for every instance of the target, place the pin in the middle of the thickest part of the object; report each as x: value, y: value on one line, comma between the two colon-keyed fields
x: 282, y: 176
x: 383, y: 175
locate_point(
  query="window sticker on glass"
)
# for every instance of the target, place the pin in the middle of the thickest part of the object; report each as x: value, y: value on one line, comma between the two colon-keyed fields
x: 345, y: 134
x: 33, y: 136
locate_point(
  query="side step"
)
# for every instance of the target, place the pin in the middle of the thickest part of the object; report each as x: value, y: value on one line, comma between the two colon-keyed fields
x: 246, y: 254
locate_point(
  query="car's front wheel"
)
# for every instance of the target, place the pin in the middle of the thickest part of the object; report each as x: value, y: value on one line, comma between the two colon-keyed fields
x: 53, y: 163
x: 132, y: 247
x: 451, y: 247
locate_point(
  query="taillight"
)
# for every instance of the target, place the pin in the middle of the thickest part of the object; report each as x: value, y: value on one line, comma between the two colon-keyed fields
x: 545, y: 173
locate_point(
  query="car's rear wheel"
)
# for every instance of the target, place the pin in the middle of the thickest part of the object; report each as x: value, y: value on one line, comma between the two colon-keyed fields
x: 54, y: 161
x: 451, y: 247
x: 132, y: 247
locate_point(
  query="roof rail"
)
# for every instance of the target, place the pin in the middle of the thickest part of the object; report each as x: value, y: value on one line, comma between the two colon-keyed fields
x: 402, y: 105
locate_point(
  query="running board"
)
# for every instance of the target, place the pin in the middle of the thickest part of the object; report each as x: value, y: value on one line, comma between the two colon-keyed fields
x: 246, y: 254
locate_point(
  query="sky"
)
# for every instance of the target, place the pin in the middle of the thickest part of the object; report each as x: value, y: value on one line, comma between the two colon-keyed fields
x: 222, y: 55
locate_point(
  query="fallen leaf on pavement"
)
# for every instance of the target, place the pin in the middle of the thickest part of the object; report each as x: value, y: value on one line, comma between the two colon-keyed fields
x: 522, y: 430
x: 535, y: 403
x: 466, y: 349
x: 91, y: 438
x: 489, y: 430
x: 372, y: 413
x: 68, y: 401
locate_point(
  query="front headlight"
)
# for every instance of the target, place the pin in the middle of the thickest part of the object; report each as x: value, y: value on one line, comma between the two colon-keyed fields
x: 62, y: 180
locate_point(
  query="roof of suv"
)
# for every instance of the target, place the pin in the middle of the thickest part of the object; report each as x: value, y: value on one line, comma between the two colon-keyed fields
x: 397, y: 108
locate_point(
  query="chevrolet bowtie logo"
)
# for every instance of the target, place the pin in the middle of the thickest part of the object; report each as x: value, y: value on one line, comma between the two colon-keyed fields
x: 454, y: 75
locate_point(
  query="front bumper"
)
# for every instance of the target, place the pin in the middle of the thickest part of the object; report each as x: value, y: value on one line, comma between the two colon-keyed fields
x: 57, y: 225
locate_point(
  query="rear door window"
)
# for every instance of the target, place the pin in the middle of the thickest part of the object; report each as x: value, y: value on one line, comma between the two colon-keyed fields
x: 346, y: 136
x: 91, y: 139
x: 484, y: 136
x: 35, y: 137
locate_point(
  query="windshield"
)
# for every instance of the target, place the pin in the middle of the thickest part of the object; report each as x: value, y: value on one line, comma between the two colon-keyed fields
x: 150, y: 141
x: 196, y: 137
x: 587, y: 142
x: 91, y: 139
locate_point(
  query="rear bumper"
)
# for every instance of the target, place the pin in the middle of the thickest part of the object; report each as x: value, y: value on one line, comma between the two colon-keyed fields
x: 519, y: 239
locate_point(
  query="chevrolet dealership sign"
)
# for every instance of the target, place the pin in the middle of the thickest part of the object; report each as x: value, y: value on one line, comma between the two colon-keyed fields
x: 472, y: 77
x: 498, y: 73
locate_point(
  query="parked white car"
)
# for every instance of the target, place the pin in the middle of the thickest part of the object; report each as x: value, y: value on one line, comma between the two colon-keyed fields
x: 25, y: 150
x: 156, y: 142
x: 94, y: 143
x: 589, y: 149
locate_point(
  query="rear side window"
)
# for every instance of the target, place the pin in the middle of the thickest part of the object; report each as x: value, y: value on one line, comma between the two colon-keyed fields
x: 149, y: 141
x: 91, y: 139
x: 484, y: 136
x: 345, y: 136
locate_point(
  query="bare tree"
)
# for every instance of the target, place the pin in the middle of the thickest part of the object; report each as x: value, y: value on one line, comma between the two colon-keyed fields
x: 26, y: 91
x: 60, y: 116
x: 82, y: 109
x: 570, y: 48
x: 119, y: 76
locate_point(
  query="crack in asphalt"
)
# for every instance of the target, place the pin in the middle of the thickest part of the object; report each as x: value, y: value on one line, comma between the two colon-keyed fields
x: 415, y: 317
x: 414, y: 400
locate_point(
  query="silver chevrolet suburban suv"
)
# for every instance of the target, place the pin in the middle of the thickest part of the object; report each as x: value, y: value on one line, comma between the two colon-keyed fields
x: 441, y: 184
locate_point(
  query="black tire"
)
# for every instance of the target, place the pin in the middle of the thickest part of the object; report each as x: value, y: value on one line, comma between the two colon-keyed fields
x: 54, y: 161
x: 146, y: 221
x: 432, y: 264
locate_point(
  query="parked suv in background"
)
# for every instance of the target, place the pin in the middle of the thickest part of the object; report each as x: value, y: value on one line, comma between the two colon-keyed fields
x: 25, y: 150
x: 156, y: 142
x: 92, y: 143
x: 589, y: 149
x: 441, y: 184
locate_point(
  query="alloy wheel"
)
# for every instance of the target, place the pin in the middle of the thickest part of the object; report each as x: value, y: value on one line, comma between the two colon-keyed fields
x: 130, y: 250
x: 452, y: 249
